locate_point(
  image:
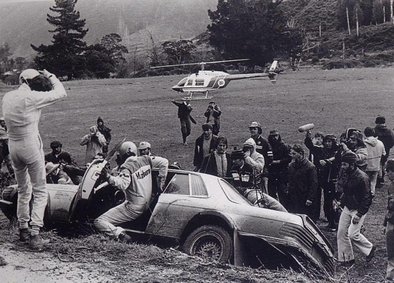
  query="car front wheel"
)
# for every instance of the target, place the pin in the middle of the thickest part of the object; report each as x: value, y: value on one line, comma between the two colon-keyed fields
x: 209, y: 242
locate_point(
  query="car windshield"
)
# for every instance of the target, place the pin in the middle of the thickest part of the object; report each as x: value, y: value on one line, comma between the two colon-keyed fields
x: 232, y: 194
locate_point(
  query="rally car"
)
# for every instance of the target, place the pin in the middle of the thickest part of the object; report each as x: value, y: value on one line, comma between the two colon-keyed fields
x: 204, y: 214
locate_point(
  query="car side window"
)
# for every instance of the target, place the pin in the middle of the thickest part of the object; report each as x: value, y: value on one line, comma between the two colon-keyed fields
x: 197, y: 186
x: 179, y: 185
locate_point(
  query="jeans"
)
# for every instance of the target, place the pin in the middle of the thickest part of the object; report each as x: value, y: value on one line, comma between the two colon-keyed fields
x: 122, y: 213
x: 390, y: 251
x: 27, y: 157
x: 349, y: 235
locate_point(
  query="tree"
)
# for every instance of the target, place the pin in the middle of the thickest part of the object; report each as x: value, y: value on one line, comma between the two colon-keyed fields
x: 112, y: 42
x: 247, y: 29
x: 178, y: 51
x: 99, y: 62
x: 65, y: 56
x: 5, y: 53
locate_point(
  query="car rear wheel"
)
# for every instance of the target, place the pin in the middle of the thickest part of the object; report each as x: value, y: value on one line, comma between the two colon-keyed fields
x: 210, y: 242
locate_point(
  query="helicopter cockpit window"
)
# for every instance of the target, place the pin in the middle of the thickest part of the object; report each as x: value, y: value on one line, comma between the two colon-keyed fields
x: 189, y: 82
x: 199, y: 82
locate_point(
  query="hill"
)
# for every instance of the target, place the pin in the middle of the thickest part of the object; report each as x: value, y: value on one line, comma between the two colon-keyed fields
x: 23, y: 23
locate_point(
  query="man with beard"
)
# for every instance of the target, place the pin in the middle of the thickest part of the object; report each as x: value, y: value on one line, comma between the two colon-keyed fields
x: 356, y: 199
x: 302, y: 183
x: 277, y: 169
x: 327, y: 173
x: 205, y: 144
x: 218, y: 162
x: 356, y: 144
x: 386, y: 136
x: 212, y: 114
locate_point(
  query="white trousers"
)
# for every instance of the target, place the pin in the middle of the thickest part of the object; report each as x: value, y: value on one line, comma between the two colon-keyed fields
x: 122, y: 213
x: 373, y: 178
x: 27, y: 157
x: 349, y: 235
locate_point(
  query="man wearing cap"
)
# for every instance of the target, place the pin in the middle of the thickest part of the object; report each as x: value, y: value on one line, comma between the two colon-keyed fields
x: 277, y: 169
x: 252, y: 157
x: 205, y: 144
x: 4, y: 150
x: 356, y: 199
x: 212, y: 114
x: 184, y: 110
x: 263, y: 147
x: 302, y: 183
x: 386, y: 136
x: 144, y: 148
x: 22, y: 111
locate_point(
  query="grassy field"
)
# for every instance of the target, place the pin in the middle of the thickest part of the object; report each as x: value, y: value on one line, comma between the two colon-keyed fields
x: 141, y: 109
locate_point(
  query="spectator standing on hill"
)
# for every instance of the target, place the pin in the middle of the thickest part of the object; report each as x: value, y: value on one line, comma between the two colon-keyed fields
x: 356, y: 144
x: 106, y: 132
x: 376, y: 151
x: 184, y: 110
x: 212, y: 114
x: 389, y: 221
x: 302, y: 183
x: 218, y: 162
x: 277, y: 169
x: 386, y: 136
x: 22, y: 111
x: 356, y: 199
x: 4, y: 149
x: 205, y: 144
x: 94, y: 142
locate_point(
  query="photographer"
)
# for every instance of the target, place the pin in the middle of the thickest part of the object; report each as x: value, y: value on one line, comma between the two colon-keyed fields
x: 213, y: 113
x: 94, y: 141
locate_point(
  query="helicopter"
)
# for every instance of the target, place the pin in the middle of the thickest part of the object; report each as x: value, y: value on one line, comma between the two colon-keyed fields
x: 205, y: 81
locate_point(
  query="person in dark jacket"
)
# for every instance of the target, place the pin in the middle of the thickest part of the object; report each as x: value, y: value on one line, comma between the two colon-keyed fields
x: 302, y: 183
x: 327, y: 174
x: 205, y: 144
x: 218, y: 162
x: 212, y: 114
x: 106, y: 133
x: 356, y: 199
x: 184, y: 110
x: 277, y: 169
x: 386, y: 136
x: 53, y: 156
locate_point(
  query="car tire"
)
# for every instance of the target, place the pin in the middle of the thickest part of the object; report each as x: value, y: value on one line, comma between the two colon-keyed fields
x: 209, y: 242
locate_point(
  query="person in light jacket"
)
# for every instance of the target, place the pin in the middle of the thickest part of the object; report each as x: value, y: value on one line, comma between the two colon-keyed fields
x: 94, y: 141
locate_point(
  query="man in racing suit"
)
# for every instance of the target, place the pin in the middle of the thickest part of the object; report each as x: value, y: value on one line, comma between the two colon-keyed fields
x: 22, y: 111
x: 135, y: 179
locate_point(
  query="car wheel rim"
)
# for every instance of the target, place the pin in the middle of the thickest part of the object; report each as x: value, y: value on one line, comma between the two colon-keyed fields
x: 208, y: 247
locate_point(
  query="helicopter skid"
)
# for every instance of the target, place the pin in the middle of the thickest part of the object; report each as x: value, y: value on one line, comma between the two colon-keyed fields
x: 188, y: 98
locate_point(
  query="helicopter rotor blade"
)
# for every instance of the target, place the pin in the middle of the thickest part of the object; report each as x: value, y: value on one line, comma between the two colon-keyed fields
x: 199, y: 63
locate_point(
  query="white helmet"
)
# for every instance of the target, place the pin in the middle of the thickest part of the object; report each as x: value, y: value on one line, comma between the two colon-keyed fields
x: 28, y: 74
x: 144, y: 145
x: 128, y: 148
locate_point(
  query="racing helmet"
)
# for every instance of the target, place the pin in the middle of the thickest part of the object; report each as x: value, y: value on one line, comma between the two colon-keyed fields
x: 128, y: 148
x: 28, y: 74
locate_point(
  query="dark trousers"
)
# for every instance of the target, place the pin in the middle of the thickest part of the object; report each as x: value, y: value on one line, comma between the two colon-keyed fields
x: 328, y: 206
x: 277, y: 188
